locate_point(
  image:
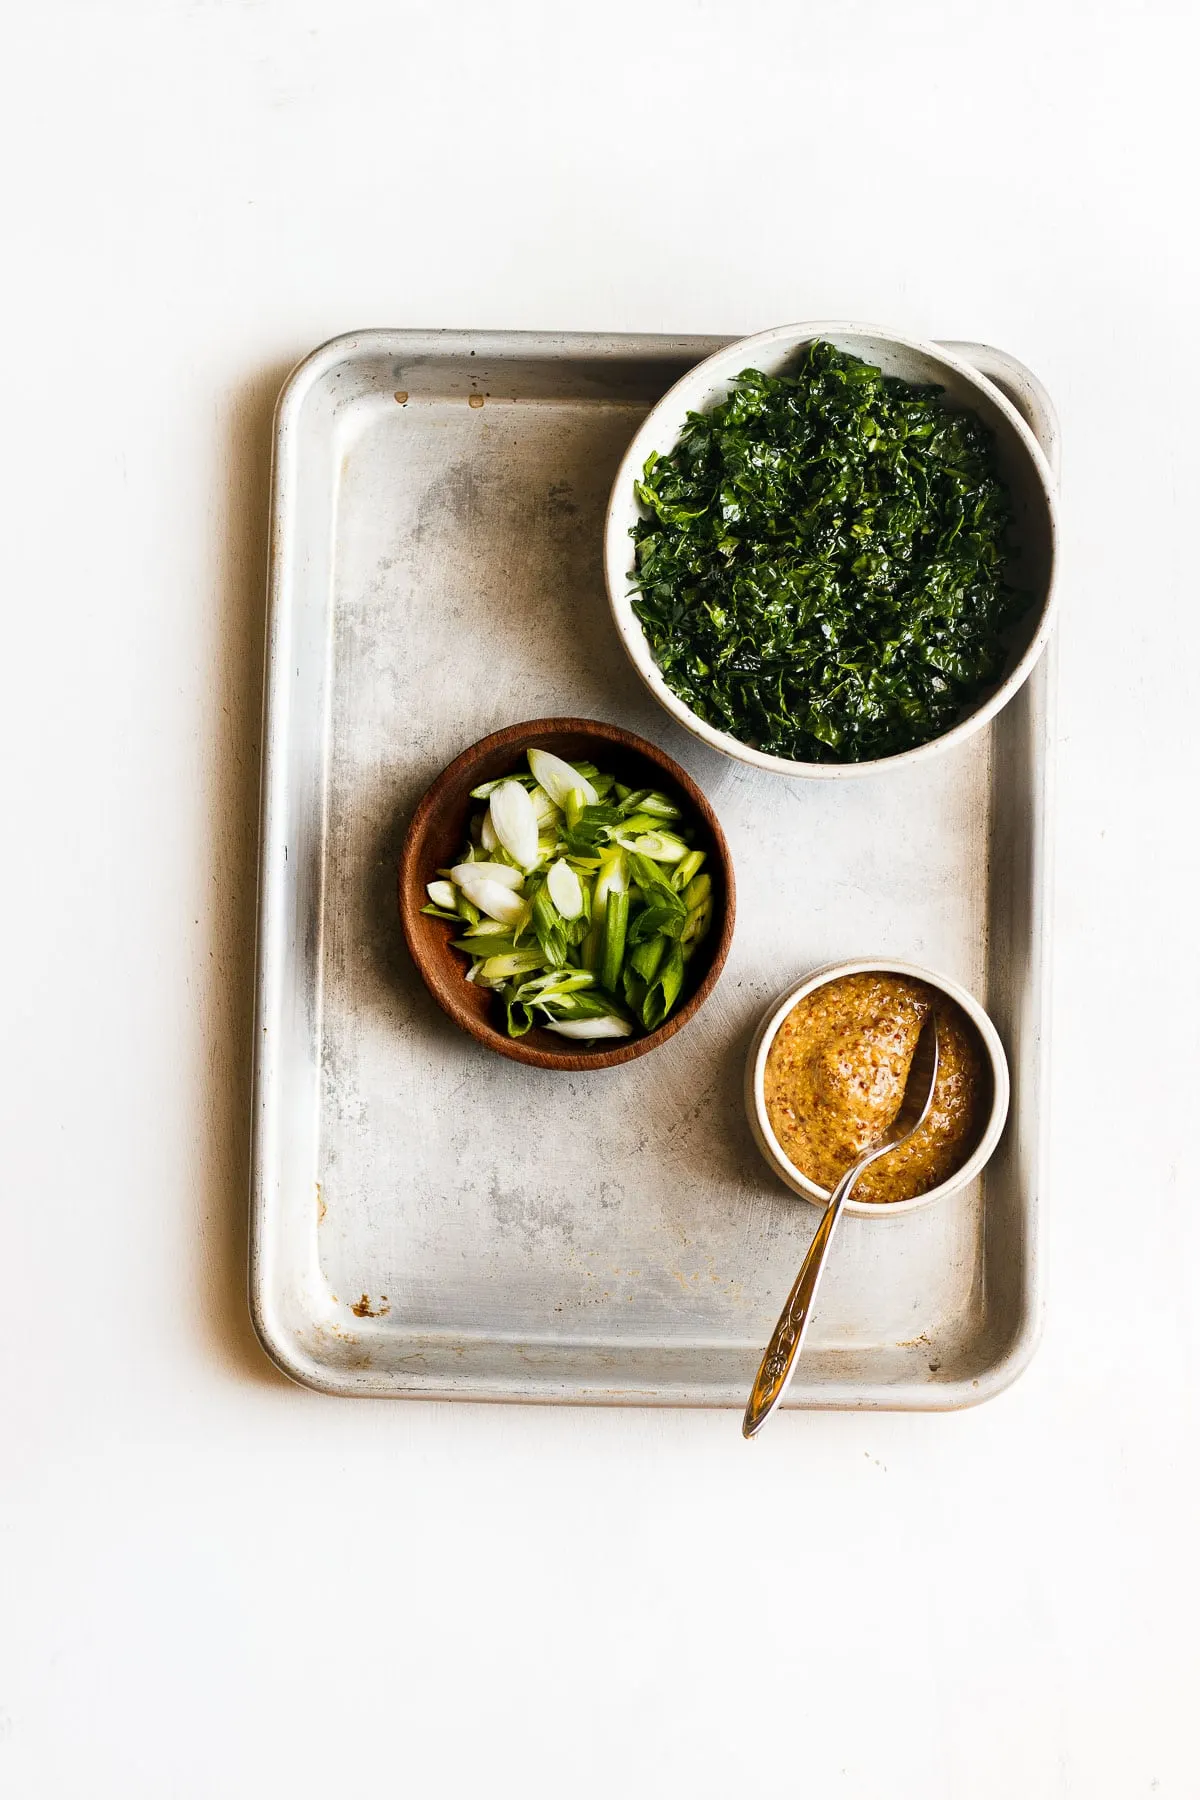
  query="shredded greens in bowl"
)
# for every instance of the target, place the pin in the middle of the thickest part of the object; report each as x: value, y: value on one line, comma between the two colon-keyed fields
x: 820, y: 564
x: 580, y: 901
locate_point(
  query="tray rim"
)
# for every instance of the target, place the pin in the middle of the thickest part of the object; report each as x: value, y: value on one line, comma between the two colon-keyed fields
x: 1016, y: 381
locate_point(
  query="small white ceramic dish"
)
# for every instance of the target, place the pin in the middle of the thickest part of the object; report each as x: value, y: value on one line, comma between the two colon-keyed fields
x: 756, y: 1108
x: 1020, y: 460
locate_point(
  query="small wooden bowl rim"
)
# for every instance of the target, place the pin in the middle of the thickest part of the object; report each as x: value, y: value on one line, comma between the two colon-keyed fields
x: 415, y: 923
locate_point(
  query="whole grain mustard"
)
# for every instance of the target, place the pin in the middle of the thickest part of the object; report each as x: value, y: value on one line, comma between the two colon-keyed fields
x: 835, y: 1079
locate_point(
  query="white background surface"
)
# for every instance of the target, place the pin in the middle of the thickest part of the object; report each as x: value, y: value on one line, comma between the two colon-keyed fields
x: 218, y: 1585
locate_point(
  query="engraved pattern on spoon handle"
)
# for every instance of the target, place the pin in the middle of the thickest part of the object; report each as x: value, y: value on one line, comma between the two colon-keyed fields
x: 788, y: 1335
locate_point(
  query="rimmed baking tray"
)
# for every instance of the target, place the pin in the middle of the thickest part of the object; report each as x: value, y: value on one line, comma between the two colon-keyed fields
x: 431, y: 1220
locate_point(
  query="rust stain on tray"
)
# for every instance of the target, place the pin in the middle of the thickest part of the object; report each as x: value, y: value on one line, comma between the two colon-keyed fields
x: 362, y: 1309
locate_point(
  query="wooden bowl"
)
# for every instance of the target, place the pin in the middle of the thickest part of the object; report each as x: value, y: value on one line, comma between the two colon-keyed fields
x: 438, y: 832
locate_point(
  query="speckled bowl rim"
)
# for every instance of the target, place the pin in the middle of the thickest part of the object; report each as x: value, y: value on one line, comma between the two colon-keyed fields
x: 756, y: 1062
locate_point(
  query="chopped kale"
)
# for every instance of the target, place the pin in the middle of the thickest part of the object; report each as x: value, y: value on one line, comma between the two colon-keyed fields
x: 821, y: 566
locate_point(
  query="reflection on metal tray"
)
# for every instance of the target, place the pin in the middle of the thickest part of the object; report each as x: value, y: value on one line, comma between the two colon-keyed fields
x: 429, y: 1219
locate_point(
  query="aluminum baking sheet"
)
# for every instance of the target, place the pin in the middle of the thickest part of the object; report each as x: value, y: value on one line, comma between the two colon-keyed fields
x: 431, y: 1219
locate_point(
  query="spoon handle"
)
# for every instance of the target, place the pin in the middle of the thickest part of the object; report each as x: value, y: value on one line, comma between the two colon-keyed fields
x: 774, y: 1372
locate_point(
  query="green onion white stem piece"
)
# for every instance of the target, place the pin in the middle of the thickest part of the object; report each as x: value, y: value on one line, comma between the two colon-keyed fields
x: 565, y: 889
x: 608, y: 1027
x: 514, y: 822
x: 548, y: 815
x: 487, y: 871
x: 497, y: 901
x: 442, y: 894
x: 559, y: 778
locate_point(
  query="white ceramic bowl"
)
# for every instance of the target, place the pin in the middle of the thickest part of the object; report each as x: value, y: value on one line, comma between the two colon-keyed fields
x: 756, y: 1107
x: 1019, y: 458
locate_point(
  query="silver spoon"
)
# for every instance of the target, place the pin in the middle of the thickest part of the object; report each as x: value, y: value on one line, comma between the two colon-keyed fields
x: 775, y: 1370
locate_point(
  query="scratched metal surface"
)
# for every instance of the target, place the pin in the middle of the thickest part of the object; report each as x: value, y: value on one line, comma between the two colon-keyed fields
x: 429, y: 1219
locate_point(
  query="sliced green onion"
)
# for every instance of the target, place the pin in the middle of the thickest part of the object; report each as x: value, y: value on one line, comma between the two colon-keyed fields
x: 565, y: 889
x: 658, y: 920
x: 659, y: 807
x: 663, y: 991
x: 548, y: 925
x: 651, y: 877
x: 616, y: 920
x: 485, y: 981
x: 552, y: 984
x: 684, y: 871
x: 612, y: 879
x: 487, y: 871
x: 487, y: 788
x: 646, y: 957
x: 573, y: 806
x: 696, y: 928
x: 607, y: 1027
x: 492, y: 898
x: 519, y: 1017
x: 659, y: 846
x: 517, y: 962
x: 515, y: 822
x: 559, y: 778
x: 577, y: 897
x: 545, y: 809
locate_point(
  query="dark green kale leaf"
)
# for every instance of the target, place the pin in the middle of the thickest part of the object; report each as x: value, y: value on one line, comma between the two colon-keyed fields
x: 820, y: 567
